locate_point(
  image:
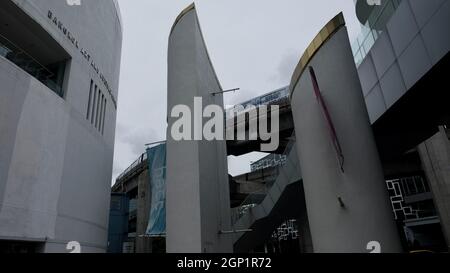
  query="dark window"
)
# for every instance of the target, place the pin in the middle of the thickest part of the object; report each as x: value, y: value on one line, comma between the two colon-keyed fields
x: 97, y: 108
x: 93, y: 105
x: 104, y: 113
x: 17, y: 247
x: 90, y: 100
x: 101, y: 114
x: 26, y: 44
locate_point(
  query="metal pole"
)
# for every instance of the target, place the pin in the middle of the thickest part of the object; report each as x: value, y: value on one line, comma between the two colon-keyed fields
x: 225, y: 91
x: 157, y: 142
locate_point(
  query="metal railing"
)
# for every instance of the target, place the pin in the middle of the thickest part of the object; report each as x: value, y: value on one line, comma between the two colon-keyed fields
x: 413, y: 185
x: 256, y: 198
x: 25, y: 61
x: 404, y: 188
x: 371, y: 31
x: 135, y: 165
x: 278, y: 97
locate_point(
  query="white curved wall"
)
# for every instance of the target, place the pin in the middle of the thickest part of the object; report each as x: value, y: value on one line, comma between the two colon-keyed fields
x: 55, y: 166
x: 198, y: 204
x: 367, y: 215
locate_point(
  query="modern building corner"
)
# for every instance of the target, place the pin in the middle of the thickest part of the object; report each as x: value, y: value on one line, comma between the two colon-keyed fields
x: 59, y: 74
x: 343, y: 150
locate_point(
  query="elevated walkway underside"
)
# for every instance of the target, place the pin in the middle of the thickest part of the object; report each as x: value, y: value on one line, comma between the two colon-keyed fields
x: 403, y: 127
x: 283, y: 201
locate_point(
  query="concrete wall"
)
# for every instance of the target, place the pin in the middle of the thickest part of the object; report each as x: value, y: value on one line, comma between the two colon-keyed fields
x: 435, y: 156
x: 366, y: 215
x: 143, y: 244
x: 198, y: 204
x: 55, y: 167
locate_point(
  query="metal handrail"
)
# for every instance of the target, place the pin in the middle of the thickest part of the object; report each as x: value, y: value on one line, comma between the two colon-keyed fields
x: 142, y: 158
x: 257, y: 101
x: 135, y: 164
x: 19, y: 50
x: 248, y: 202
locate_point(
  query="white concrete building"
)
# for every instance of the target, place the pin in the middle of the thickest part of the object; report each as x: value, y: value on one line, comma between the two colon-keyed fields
x: 59, y: 73
x: 198, y: 199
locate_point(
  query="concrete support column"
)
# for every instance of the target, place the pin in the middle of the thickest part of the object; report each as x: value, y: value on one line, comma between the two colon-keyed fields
x: 306, y: 245
x: 198, y: 198
x: 143, y: 244
x: 435, y: 156
x: 346, y: 209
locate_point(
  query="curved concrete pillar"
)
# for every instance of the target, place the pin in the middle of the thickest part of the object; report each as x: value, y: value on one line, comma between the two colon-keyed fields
x: 347, y: 208
x: 198, y: 204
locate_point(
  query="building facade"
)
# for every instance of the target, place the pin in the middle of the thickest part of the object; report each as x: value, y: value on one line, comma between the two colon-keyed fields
x: 59, y: 74
x: 370, y: 159
x: 402, y: 57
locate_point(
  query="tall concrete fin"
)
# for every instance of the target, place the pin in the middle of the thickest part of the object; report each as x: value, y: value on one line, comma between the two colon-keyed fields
x: 198, y: 205
x: 346, y: 196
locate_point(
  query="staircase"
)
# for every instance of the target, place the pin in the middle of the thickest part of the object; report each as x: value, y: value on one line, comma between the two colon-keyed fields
x: 277, y: 206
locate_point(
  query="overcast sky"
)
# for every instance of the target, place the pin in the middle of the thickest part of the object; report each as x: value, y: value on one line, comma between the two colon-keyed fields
x: 254, y: 45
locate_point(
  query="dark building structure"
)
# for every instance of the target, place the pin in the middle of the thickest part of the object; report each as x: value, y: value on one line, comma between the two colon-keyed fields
x: 118, y: 222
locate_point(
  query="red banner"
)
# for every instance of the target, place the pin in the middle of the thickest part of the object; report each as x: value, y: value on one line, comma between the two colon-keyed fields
x: 331, y: 128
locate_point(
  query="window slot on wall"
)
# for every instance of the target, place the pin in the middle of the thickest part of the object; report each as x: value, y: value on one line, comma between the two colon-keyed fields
x: 90, y: 100
x: 98, y: 106
x: 100, y: 111
x: 101, y: 114
x: 96, y: 109
x: 93, y: 105
x: 104, y: 114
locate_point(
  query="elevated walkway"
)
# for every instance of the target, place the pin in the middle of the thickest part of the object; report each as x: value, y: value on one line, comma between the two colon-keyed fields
x: 264, y: 215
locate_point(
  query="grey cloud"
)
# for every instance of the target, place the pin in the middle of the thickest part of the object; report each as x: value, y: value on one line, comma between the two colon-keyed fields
x: 286, y: 67
x: 252, y: 48
x: 240, y: 96
x: 138, y: 137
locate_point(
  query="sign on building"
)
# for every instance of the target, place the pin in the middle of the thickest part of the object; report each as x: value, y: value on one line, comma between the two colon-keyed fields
x: 157, y: 172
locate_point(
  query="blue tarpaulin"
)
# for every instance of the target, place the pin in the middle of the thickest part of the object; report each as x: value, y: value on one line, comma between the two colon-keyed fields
x: 157, y: 172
